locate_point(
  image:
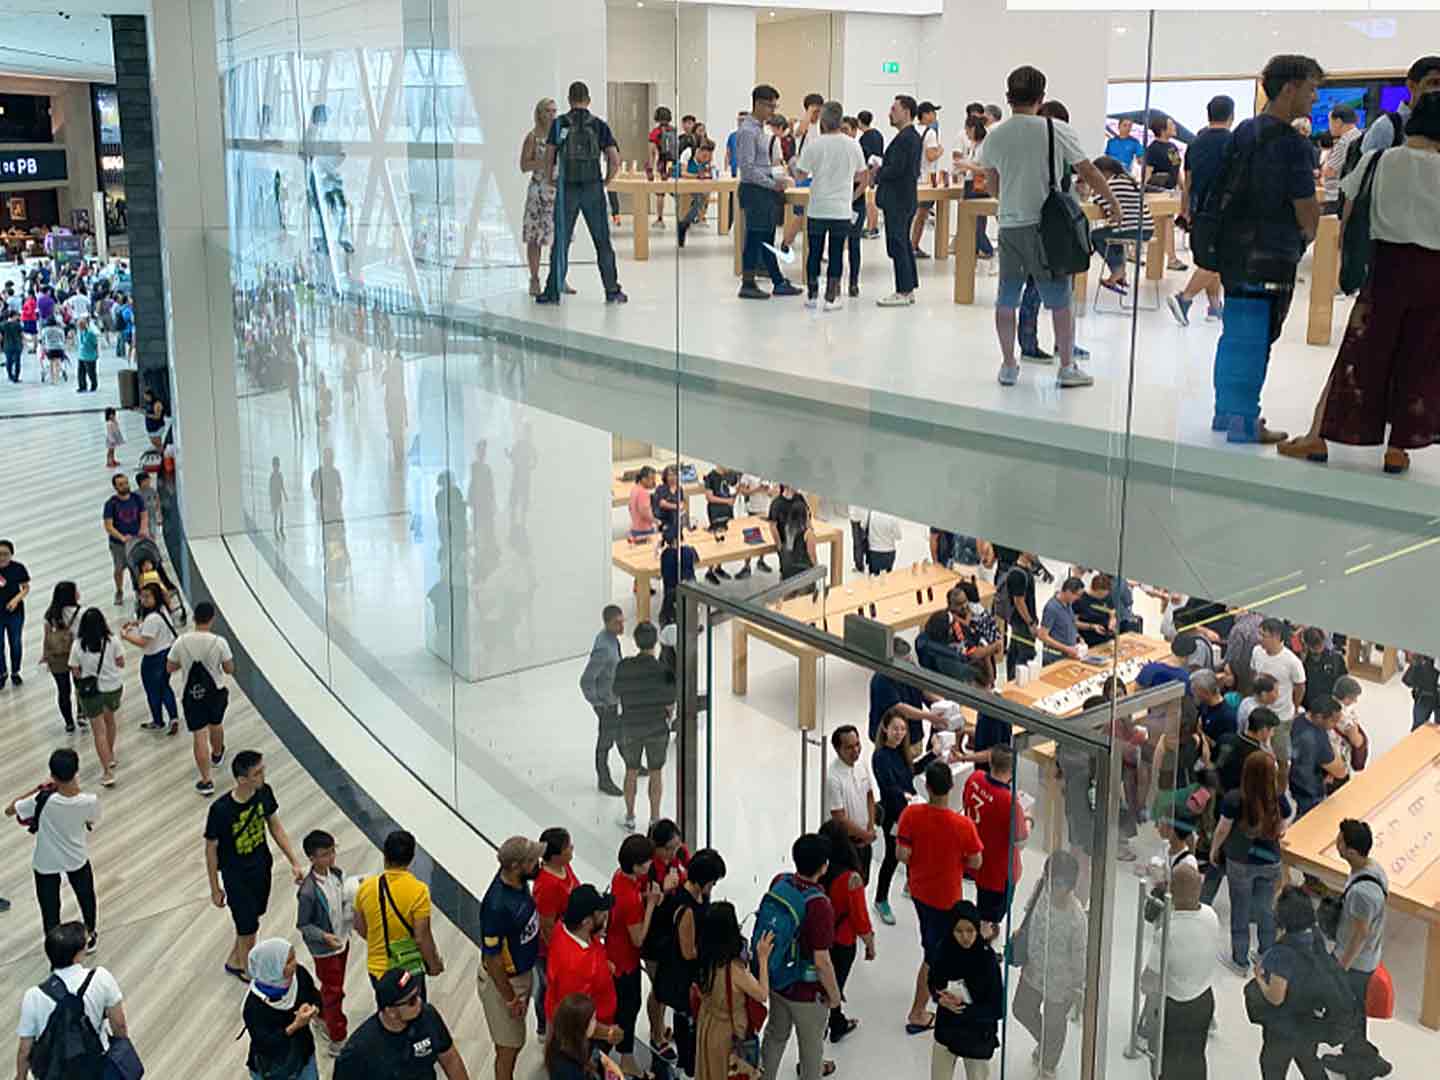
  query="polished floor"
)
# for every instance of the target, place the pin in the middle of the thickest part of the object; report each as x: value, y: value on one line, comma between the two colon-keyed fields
x: 159, y: 934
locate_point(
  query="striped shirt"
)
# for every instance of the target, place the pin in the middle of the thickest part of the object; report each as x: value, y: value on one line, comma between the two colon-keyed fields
x: 1133, y: 209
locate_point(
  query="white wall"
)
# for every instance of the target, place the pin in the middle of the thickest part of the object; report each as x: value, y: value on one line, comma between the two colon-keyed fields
x: 871, y: 41
x: 1233, y: 43
x: 793, y: 55
x: 640, y: 47
x: 730, y: 67
x: 692, y: 61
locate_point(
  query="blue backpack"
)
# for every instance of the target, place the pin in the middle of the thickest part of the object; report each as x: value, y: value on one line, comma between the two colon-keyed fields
x: 782, y: 911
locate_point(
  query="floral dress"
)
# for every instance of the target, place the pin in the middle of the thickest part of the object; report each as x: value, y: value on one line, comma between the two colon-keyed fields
x: 538, y: 226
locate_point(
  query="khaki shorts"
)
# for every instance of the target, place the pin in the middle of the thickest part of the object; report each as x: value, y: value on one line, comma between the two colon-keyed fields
x: 506, y: 1029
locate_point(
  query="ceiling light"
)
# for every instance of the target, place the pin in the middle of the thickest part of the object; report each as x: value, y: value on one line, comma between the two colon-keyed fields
x: 1122, y: 29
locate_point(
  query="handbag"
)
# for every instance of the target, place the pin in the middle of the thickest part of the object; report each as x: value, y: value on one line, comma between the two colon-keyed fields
x: 121, y: 1060
x: 1356, y: 247
x: 1380, y: 995
x: 1064, y: 230
x: 745, y: 1047
x: 1017, y: 949
x: 404, y: 953
x: 89, y: 685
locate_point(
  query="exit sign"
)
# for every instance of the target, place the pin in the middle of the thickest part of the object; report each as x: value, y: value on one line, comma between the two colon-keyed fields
x: 891, y: 67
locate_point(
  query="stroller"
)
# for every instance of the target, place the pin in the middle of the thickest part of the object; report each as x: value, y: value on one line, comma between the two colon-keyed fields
x: 142, y: 556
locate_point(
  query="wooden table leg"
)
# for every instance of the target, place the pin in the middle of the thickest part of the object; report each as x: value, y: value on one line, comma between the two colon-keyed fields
x: 942, y: 229
x: 725, y: 198
x: 739, y: 230
x: 1430, y: 999
x: 802, y: 235
x: 642, y: 597
x: 837, y: 560
x: 965, y: 258
x: 1080, y: 289
x: 1155, y: 254
x: 1324, y: 277
x: 739, y: 658
x: 642, y: 227
x: 809, y: 686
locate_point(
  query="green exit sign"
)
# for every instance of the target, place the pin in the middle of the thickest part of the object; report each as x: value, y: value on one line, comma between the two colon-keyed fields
x: 891, y: 67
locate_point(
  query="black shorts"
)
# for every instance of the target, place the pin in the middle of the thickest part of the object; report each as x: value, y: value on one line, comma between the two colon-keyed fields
x: 934, y: 925
x: 247, y: 895
x: 200, y: 717
x: 993, y: 903
x: 652, y: 747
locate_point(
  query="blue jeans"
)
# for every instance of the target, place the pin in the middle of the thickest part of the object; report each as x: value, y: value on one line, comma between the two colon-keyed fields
x: 1030, y: 318
x: 1254, y: 315
x: 572, y: 200
x: 1426, y: 710
x: 307, y: 1073
x: 1252, y: 896
x: 12, y: 364
x: 697, y: 207
x: 158, y: 691
x: 11, y: 623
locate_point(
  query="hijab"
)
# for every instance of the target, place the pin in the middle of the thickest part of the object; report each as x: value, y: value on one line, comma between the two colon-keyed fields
x: 972, y: 965
x: 267, y: 974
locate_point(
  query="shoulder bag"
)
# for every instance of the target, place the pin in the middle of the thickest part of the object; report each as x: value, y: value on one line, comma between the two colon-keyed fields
x: 404, y: 952
x: 89, y: 685
x: 744, y: 1049
x: 1356, y: 247
x: 1017, y: 949
x: 1064, y: 230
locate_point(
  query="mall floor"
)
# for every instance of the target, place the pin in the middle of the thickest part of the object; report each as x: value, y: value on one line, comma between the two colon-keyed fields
x: 159, y: 934
x: 751, y: 807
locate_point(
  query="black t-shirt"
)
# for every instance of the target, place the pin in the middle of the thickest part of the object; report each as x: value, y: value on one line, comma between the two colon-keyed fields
x: 374, y: 1053
x: 269, y: 1045
x: 239, y: 830
x: 1094, y: 609
x: 872, y: 144
x: 12, y: 577
x: 675, y: 495
x: 645, y: 689
x: 1163, y: 157
x: 11, y: 335
x: 1021, y: 582
x: 718, y: 483
x: 780, y: 507
x: 1282, y: 172
x: 1203, y: 161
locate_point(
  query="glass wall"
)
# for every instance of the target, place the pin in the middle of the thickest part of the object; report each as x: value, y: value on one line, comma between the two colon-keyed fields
x: 453, y: 443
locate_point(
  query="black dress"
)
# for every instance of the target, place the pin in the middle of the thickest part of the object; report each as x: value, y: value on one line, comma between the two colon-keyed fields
x: 272, y: 1052
x: 972, y: 1032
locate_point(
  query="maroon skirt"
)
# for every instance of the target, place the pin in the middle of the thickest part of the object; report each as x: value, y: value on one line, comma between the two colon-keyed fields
x: 1388, y: 367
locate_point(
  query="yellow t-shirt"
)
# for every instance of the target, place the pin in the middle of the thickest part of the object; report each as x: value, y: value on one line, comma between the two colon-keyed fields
x: 411, y: 898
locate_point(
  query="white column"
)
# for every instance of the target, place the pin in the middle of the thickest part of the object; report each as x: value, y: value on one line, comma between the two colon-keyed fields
x: 189, y: 151
x: 729, y: 67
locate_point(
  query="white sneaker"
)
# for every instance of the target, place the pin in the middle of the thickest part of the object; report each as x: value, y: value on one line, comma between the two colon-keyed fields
x: 895, y: 299
x: 1009, y: 374
x: 786, y: 257
x: 1067, y: 378
x: 627, y: 823
x: 812, y: 302
x: 835, y: 305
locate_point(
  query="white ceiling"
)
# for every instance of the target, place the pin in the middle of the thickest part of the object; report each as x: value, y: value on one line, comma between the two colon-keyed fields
x: 56, y: 47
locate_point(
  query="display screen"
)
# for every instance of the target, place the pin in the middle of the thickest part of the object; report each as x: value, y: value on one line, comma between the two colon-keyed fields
x: 1183, y: 100
x: 1392, y: 97
x: 1330, y: 97
x: 32, y: 166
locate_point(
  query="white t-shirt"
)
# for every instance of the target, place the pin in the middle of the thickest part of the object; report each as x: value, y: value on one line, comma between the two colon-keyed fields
x: 1018, y: 149
x: 106, y: 663
x: 1287, y: 670
x: 930, y: 140
x: 159, y: 634
x: 1190, y: 963
x: 201, y: 646
x: 102, y: 994
x: 847, y: 788
x: 62, y: 841
x: 78, y: 306
x: 831, y: 160
x: 757, y: 501
x: 883, y: 532
x: 1405, y: 201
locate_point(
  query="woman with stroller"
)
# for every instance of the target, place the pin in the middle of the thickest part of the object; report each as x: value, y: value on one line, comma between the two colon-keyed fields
x: 96, y: 662
x: 154, y: 634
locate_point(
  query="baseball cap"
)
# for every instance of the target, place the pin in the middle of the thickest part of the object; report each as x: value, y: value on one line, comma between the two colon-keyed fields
x: 398, y: 985
x: 585, y: 901
x: 926, y: 106
x: 519, y: 850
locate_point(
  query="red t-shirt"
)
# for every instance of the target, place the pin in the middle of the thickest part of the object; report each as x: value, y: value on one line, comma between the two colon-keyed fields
x: 852, y: 913
x: 629, y: 910
x: 659, y: 867
x: 940, y: 840
x: 991, y: 807
x: 817, y: 933
x: 574, y: 968
x: 551, y: 894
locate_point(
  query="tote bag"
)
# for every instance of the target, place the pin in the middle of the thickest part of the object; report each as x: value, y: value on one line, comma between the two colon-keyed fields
x: 1064, y: 231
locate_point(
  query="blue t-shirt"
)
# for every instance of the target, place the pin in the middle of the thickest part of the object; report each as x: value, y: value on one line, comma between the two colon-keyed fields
x: 1310, y: 752
x: 510, y: 926
x: 1059, y: 619
x: 1123, y: 150
x: 1202, y: 162
x: 730, y: 153
x: 125, y: 514
x: 1217, y: 721
x: 885, y: 694
x: 1281, y: 173
x: 1285, y: 959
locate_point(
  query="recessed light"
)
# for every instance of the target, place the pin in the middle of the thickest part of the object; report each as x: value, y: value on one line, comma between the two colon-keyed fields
x: 1122, y: 29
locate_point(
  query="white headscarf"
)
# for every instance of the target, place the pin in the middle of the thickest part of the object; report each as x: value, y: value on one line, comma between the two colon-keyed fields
x: 267, y: 974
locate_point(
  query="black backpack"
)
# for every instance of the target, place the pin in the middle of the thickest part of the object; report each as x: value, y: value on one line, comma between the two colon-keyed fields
x: 201, y: 695
x: 1356, y: 247
x: 1064, y: 229
x: 69, y: 1047
x: 580, y: 150
x: 1223, y: 233
x: 1320, y: 1002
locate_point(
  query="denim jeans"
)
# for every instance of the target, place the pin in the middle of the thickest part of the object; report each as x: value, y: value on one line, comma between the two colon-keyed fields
x: 1030, y: 318
x: 1253, y: 317
x: 571, y: 201
x: 11, y: 625
x: 696, y: 208
x: 1425, y: 710
x: 817, y: 233
x: 1252, y: 896
x: 158, y: 691
x: 12, y: 364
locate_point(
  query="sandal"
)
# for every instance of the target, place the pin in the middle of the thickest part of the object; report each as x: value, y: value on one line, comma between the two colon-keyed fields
x: 232, y: 970
x: 1306, y: 447
x: 916, y: 1029
x: 1396, y: 461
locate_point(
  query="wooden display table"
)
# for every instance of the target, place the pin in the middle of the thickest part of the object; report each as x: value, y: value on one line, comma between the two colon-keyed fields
x: 1164, y: 208
x: 1362, y: 667
x: 1324, y: 281
x: 893, y: 596
x: 620, y: 489
x: 1061, y: 676
x: 796, y: 197
x: 642, y: 561
x: 1399, y: 796
x: 640, y: 191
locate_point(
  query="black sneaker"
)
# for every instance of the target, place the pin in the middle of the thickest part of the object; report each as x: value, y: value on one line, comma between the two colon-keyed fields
x: 751, y: 291
x: 854, y: 289
x: 608, y: 786
x: 743, y: 574
x: 217, y: 759
x: 205, y: 787
x: 3, y: 680
x: 763, y: 566
x: 148, y: 726
x: 70, y: 727
x: 711, y: 577
x: 722, y: 572
x: 785, y: 288
x: 92, y: 942
x: 547, y: 298
x: 616, y: 297
x: 680, y: 231
x: 17, y: 680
